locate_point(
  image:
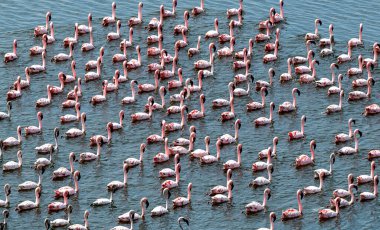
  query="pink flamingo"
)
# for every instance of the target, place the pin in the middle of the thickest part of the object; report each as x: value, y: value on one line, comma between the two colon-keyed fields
x: 72, y: 191
x: 110, y: 20
x: 213, y: 33
x: 228, y: 115
x: 171, y: 183
x: 70, y: 117
x: 196, y: 114
x: 133, y: 63
x: 198, y: 10
x: 292, y: 213
x: 144, y: 116
x: 333, y: 108
x: 100, y: 98
x: 233, y: 11
x: 328, y: 41
x: 323, y: 82
x: 294, y: 135
x: 11, y: 56
x: 343, y: 137
x: 84, y: 29
x: 346, y: 57
x: 112, y: 35
x: 92, y: 64
x: 232, y: 164
x: 182, y: 201
x: 357, y: 41
x: 128, y: 43
x: 255, y: 206
x: 263, y: 120
x: 179, y: 28
x: 34, y: 129
x: 38, y: 49
x: 227, y: 37
x: 359, y: 95
x: 132, y: 99
x: 363, y: 179
x: 135, y: 21
x: 153, y: 24
x: 307, y: 78
x: 203, y: 64
x: 304, y: 160
x: 162, y: 157
x: 287, y: 76
x: 315, y: 35
x: 15, y: 93
x: 41, y: 30
x: 91, y: 76
x: 132, y: 162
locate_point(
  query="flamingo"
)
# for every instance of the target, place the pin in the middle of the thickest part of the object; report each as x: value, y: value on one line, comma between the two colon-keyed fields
x: 50, y: 38
x: 227, y: 51
x: 242, y: 92
x: 128, y: 43
x: 346, y: 57
x: 183, y: 201
x: 144, y: 204
x: 260, y: 181
x: 149, y: 87
x: 133, y: 63
x: 196, y: 114
x: 227, y: 37
x: 105, y: 201
x: 79, y: 226
x: 6, y: 115
x: 203, y: 64
x: 59, y: 89
x: 193, y: 51
x: 11, y: 165
x: 299, y: 59
x: 168, y: 172
x: 100, y: 97
x: 62, y: 56
x: 334, y: 89
x: 264, y: 37
x: 263, y: 120
x: 176, y: 83
x: 111, y: 87
x: 219, y: 189
x: 272, y: 46
x: 132, y: 162
x: 118, y: 184
x: 198, y: 153
x: 342, y: 192
x: 84, y: 29
x: 169, y: 184
x: 158, y: 66
x: 159, y: 210
x: 69, y: 103
x: 240, y: 19
x: 198, y: 10
x: 28, y: 205
x: 349, y: 150
x: 129, y: 100
x: 15, y: 93
x: 324, y: 214
x: 264, y: 153
x: 371, y: 109
x: 92, y: 64
x: 333, y: 108
x: 260, y: 165
x: 73, y: 40
x: 110, y: 20
x: 241, y: 55
x: 292, y: 213
x: 11, y: 141
x: 307, y: 78
x: 227, y: 138
x: 262, y: 83
x: 34, y: 129
x: 362, y: 179
x: 7, y: 192
x: 41, y: 30
x: 225, y: 116
x: 323, y: 82
x: 233, y: 11
x: 232, y: 164
x: 363, y: 82
x: 220, y: 102
x: 74, y: 132
x: 135, y: 21
x: 56, y: 206
x: 63, y: 172
x: 60, y: 222
x: 287, y: 76
x: 358, y: 41
x: 178, y: 28
x: 183, y: 141
x: 305, y: 160
x: 328, y: 41
x: 294, y: 135
x: 356, y: 71
x: 154, y: 22
x: 48, y: 147
x: 144, y: 116
x: 279, y: 18
x: 325, y: 171
x: 71, y: 78
x: 115, y: 125
x: 328, y: 51
x: 120, y: 57
x: 344, y: 202
x: 165, y: 74
x: 219, y: 198
x: 343, y: 137
x: 359, y: 95
x: 286, y: 106
x: 72, y: 191
x: 38, y: 68
x: 315, y: 35
x: 369, y: 195
x: 262, y: 24
x: 94, y: 139
x: 114, y: 36
x: 209, y: 159
x: 213, y: 33
x: 373, y: 60
x: 38, y: 49
x: 272, y: 216
x: 255, y: 206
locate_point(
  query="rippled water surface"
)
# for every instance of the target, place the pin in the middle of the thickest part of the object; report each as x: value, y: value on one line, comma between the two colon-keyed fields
x: 18, y: 20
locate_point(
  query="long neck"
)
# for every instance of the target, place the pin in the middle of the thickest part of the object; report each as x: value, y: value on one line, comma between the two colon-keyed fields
x: 282, y: 10
x: 141, y: 155
x: 98, y: 150
x: 139, y: 13
x: 52, y: 31
x: 109, y: 134
x: 211, y: 54
x: 131, y: 36
x: 177, y: 175
x: 111, y: 199
x: 231, y: 31
x: 352, y: 197
x: 236, y: 132
x: 65, y: 200
x: 37, y: 200
x: 372, y: 171
x: 163, y: 131
x: 239, y: 157
x: 19, y: 161
x: 19, y: 137
x: 232, y: 105
x: 161, y: 17
x: 349, y: 128
x: 105, y: 91
x: 39, y: 123
x: 56, y: 141
x: 302, y: 126
x: 91, y: 38
x: 369, y: 89
x: 337, y: 208
x: 375, y: 189
x: 375, y: 56
x: 299, y: 203
x: 340, y: 101
x: 125, y: 71
x: 265, y: 199
x: 271, y: 113
x: 229, y: 192
x: 113, y: 13
x: 125, y: 177
x: 332, y: 75
x: 83, y: 126
x: 356, y: 143
x: 150, y: 110
x: 182, y: 118
x: 202, y: 4
x: 71, y: 165
x: 320, y: 182
x: 314, y: 70
x: 47, y: 22
x: 117, y: 29
x: 39, y: 178
x: 360, y: 33
x: 331, y: 166
x: 312, y: 153
x: 316, y: 28
x: 43, y: 62
x: 121, y: 120
x: 269, y: 158
x: 199, y: 43
x: 191, y: 145
x: 202, y: 107
x: 217, y: 151
x: 349, y: 51
x: 289, y: 69
x: 167, y: 203
x: 76, y: 185
x: 340, y: 83
x: 268, y: 31
x: 139, y: 57
x: 276, y: 49
x: 133, y: 91
x: 142, y: 209
x: 125, y: 49
x: 269, y: 174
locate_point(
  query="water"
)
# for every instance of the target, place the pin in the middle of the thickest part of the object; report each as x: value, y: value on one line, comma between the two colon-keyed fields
x: 21, y: 16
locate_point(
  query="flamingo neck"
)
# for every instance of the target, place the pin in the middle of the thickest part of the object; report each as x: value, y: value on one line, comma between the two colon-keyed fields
x: 133, y: 91
x: 52, y: 32
x: 312, y: 153
x: 232, y: 105
x: 339, y: 83
x: 316, y: 29
x: 183, y: 118
x: 239, y: 157
x: 211, y: 54
x: 360, y: 34
x: 141, y: 155
x: 268, y: 31
x: 369, y: 90
x: 76, y: 185
x: 180, y: 78
x: 98, y: 150
x: 303, y: 126
x: 282, y: 10
x: 375, y: 56
x: 177, y: 175
x: 269, y: 174
x: 340, y: 101
x: 229, y: 192
x: 62, y: 83
x: 91, y: 38
x: 331, y: 167
x: 139, y: 57
x: 231, y: 31
x: 47, y: 22
x: 186, y: 21
x: 320, y: 182
x: 109, y: 134
x: 118, y: 29
x: 37, y: 200
x: 86, y: 223
x: 121, y: 120
x: 71, y: 165
x: 167, y: 148
x: 139, y: 13
x: 332, y: 75
x: 18, y: 85
x: 142, y: 209
x: 202, y: 4
x: 83, y: 126
x: 43, y: 62
x: 271, y: 114
x: 191, y: 145
x: 349, y: 51
x: 163, y: 131
x: 372, y: 172
x: 289, y: 69
x: 276, y: 49
x: 39, y: 179
x: 105, y: 91
x: 189, y: 193
x: 167, y: 203
x: 19, y: 161
x: 131, y: 36
x: 375, y: 189
x: 369, y: 73
x: 40, y: 123
x: 349, y: 129
x: 231, y: 46
x: 125, y: 72
x: 112, y: 199
x: 269, y: 157
x: 216, y: 28
x: 19, y: 137
x: 337, y: 208
x: 125, y: 48
x: 150, y: 110
x: 265, y: 199
x: 299, y: 204
x: 217, y: 152
x: 202, y: 108
x: 199, y: 43
x: 113, y: 13
x: 352, y: 197
x: 65, y: 200
x: 248, y: 88
x: 314, y: 70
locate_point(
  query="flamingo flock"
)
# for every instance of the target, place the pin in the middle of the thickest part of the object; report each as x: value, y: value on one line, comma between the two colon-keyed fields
x: 191, y: 106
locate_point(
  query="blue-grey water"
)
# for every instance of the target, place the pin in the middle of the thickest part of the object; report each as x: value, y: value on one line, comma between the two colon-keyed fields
x: 20, y: 17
